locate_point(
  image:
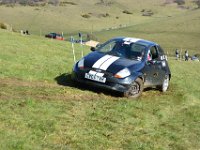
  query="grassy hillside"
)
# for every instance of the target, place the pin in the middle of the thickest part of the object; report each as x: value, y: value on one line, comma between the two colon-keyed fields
x: 171, y: 25
x: 42, y: 109
x: 68, y: 18
x: 181, y: 31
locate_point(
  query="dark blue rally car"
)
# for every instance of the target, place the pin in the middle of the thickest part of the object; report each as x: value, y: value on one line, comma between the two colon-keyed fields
x: 127, y: 65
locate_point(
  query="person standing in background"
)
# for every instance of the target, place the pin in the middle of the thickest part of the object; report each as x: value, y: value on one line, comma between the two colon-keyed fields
x: 186, y: 55
x: 177, y: 54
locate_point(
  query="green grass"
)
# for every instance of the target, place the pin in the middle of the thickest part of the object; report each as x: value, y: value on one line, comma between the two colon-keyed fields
x: 38, y: 112
x: 67, y: 19
x: 181, y: 31
x: 170, y: 26
x: 29, y: 59
x: 42, y: 109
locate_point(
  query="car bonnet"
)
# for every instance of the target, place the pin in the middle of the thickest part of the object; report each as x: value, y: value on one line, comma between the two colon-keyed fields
x: 108, y: 63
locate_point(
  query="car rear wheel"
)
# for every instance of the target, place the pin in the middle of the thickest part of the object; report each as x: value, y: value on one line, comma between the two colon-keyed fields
x: 135, y: 89
x: 165, y: 84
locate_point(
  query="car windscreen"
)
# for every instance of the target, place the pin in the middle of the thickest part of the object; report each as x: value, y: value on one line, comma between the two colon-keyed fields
x: 123, y: 49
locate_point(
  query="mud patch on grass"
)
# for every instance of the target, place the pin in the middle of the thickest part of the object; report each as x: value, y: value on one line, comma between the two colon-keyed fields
x: 13, y: 88
x: 23, y: 83
x: 65, y: 80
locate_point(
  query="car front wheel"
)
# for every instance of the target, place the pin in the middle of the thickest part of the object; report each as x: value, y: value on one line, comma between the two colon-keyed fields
x: 135, y: 89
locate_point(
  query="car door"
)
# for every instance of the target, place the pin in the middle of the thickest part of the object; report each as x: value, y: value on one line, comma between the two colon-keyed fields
x: 153, y: 72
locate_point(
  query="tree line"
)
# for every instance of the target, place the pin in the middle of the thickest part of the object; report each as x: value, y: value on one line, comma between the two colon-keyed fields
x: 182, y: 2
x: 30, y: 2
x: 57, y: 2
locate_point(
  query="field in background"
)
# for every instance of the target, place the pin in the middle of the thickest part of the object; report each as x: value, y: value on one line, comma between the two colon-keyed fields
x: 171, y: 26
x: 68, y: 19
x: 180, y: 32
x: 42, y: 109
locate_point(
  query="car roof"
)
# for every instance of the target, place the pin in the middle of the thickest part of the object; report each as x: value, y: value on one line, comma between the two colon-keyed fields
x: 136, y: 40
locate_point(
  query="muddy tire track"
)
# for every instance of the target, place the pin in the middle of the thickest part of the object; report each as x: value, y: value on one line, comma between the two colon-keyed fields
x: 13, y: 88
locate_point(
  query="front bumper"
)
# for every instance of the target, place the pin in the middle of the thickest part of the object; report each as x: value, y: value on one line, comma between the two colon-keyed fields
x: 112, y: 83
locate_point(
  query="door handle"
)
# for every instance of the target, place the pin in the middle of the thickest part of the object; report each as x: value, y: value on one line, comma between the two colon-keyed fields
x: 155, y: 74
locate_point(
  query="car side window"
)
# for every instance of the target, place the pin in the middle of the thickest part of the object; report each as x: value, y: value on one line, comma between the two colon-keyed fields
x: 108, y: 47
x: 137, y: 49
x: 160, y: 50
x: 154, y: 52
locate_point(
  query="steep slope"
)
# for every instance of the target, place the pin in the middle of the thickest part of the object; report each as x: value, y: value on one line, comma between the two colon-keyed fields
x: 42, y: 109
x: 181, y: 31
x: 68, y: 18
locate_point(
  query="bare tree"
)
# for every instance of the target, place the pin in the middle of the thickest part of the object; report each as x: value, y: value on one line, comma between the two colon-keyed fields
x: 31, y: 2
x: 54, y: 2
x: 197, y: 2
x: 179, y: 2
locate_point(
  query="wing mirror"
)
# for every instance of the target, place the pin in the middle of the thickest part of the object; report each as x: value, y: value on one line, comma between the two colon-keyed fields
x: 92, y: 49
x: 96, y: 47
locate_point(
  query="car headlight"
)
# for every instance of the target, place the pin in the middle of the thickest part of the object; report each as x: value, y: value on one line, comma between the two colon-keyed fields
x: 123, y: 73
x: 81, y: 64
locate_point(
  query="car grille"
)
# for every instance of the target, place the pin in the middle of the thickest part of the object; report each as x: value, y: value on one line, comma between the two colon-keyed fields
x: 99, y: 71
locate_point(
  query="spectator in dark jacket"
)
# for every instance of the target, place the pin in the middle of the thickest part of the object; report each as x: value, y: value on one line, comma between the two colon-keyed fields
x: 177, y: 54
x: 186, y: 55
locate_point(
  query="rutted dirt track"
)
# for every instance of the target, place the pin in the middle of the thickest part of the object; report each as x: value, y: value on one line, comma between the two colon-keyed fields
x: 13, y: 88
x: 22, y: 83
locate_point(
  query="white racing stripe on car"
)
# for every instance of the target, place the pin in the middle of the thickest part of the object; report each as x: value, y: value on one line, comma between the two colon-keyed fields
x: 131, y: 40
x: 99, y: 62
x: 96, y: 73
x: 106, y: 64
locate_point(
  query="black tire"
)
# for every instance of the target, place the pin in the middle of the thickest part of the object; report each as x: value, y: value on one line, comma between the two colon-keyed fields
x: 165, y: 85
x: 135, y: 89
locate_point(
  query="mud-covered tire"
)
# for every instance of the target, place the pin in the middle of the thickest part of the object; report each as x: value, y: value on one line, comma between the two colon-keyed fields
x: 165, y: 85
x: 135, y: 89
